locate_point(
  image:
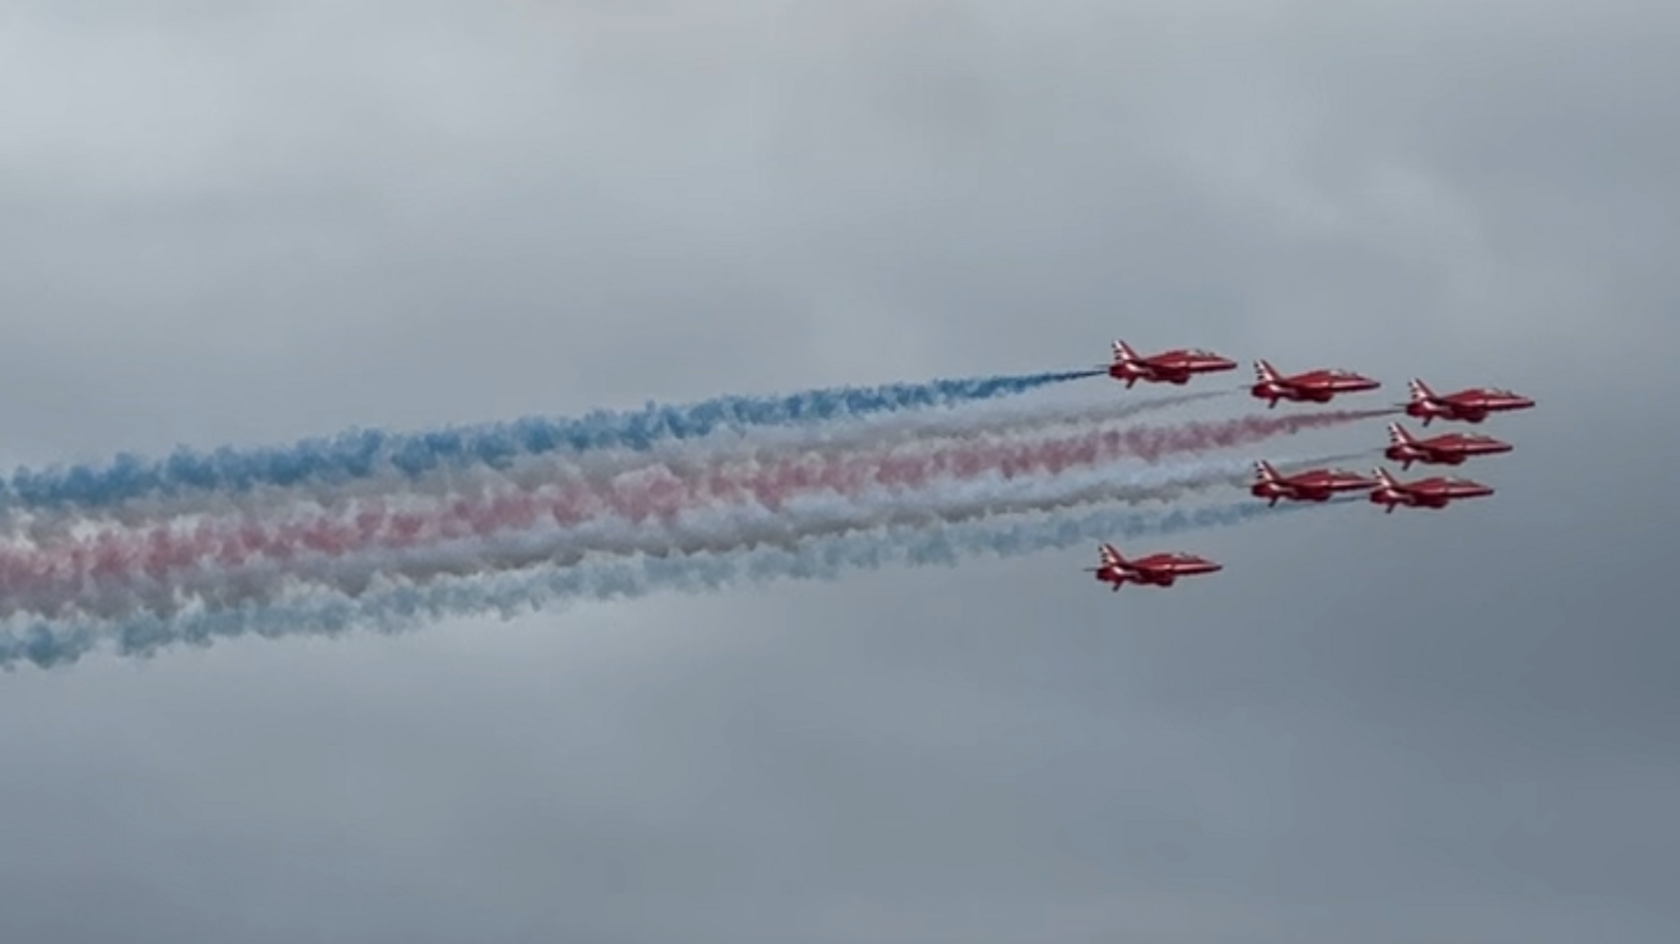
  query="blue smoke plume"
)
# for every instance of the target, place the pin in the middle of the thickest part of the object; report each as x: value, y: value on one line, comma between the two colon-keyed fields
x: 360, y: 453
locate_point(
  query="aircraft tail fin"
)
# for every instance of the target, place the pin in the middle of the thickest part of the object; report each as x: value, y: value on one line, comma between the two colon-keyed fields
x: 1397, y: 435
x: 1123, y: 352
x: 1264, y: 472
x: 1419, y: 390
x: 1264, y: 372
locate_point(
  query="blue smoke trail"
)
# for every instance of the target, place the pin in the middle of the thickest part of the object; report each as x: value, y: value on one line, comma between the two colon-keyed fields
x: 398, y: 606
x: 360, y: 453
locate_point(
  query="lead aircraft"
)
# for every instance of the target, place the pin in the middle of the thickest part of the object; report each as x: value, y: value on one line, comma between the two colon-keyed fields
x: 1471, y: 405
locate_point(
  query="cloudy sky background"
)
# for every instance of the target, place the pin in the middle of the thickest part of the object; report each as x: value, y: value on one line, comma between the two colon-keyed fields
x: 250, y: 222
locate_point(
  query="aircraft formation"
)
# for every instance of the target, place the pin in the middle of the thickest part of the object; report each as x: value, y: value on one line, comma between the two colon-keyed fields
x: 1319, y: 386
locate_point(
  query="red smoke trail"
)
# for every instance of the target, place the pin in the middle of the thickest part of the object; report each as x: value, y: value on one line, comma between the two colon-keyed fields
x: 658, y: 494
x: 781, y: 480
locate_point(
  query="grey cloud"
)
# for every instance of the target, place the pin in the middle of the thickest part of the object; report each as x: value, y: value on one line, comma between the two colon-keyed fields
x: 260, y: 222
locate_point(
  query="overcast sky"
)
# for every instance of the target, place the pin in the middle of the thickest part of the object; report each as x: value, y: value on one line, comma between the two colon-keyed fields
x: 247, y: 222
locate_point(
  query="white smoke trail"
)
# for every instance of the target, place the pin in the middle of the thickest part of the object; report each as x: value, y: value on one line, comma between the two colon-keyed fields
x: 393, y: 604
x: 719, y: 528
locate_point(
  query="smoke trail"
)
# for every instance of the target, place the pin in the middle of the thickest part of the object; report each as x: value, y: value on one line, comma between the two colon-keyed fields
x: 571, y: 490
x: 941, y: 428
x: 193, y: 576
x: 658, y: 492
x: 361, y: 453
x: 165, y: 571
x: 395, y: 605
x: 993, y: 420
x: 769, y: 482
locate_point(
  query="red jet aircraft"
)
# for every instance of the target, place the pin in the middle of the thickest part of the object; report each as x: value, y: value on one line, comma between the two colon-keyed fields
x: 1313, y: 386
x: 1424, y: 493
x: 1156, y: 570
x: 1315, y: 485
x: 1446, y: 449
x: 1470, y: 406
x: 1174, y: 367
